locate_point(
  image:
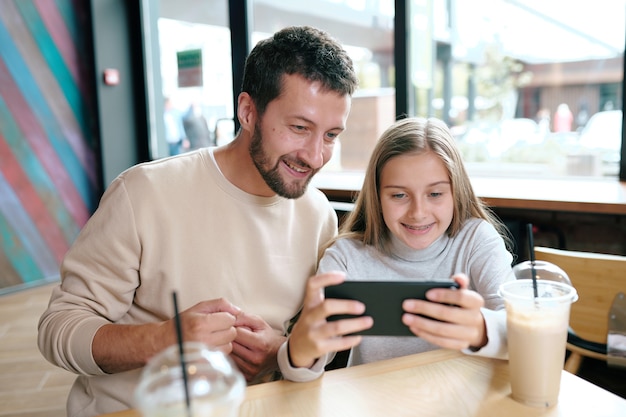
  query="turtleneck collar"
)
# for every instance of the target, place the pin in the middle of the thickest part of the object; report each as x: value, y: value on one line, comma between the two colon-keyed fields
x: 404, y: 252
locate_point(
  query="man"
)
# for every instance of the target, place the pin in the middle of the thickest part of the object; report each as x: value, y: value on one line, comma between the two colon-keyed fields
x: 233, y: 230
x: 196, y: 128
x: 174, y: 129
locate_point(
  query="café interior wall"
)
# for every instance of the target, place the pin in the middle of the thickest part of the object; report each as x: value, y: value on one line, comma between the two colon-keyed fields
x: 49, y: 169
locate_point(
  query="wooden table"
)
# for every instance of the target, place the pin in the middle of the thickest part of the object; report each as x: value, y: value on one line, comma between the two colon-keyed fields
x: 438, y: 383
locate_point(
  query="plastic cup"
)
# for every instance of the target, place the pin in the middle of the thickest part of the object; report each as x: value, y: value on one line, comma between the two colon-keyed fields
x: 537, y: 337
x: 216, y: 387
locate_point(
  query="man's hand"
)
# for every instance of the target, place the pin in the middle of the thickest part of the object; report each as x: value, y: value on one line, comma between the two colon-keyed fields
x: 210, y: 322
x: 255, y: 346
x: 122, y: 347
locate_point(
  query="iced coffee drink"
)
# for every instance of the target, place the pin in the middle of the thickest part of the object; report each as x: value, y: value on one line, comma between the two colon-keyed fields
x: 537, y: 336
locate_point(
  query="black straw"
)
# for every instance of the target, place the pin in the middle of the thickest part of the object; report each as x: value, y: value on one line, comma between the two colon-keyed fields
x: 179, y: 337
x: 531, y: 248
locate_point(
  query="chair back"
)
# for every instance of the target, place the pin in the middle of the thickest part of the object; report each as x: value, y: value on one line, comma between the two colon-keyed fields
x: 597, y: 279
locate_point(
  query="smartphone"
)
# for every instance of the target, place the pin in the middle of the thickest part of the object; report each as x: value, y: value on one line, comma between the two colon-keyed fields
x: 383, y: 302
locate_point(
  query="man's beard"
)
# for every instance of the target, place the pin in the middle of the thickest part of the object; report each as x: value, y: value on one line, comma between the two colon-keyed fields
x: 271, y: 175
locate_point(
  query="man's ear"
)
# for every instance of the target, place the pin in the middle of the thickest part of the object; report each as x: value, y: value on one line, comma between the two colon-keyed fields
x: 246, y: 112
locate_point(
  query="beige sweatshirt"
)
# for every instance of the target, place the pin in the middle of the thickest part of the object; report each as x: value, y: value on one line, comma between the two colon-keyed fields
x: 176, y: 224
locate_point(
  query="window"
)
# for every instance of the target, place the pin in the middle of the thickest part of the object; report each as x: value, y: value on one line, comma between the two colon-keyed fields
x: 192, y: 86
x: 530, y: 88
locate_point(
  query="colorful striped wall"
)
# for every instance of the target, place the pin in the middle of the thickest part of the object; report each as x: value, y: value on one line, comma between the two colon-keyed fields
x: 49, y: 181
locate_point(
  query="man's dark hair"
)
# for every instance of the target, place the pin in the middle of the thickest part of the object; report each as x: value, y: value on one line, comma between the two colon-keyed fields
x: 303, y: 50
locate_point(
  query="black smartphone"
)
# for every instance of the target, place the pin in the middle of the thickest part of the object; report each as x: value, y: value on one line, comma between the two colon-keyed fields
x: 383, y: 302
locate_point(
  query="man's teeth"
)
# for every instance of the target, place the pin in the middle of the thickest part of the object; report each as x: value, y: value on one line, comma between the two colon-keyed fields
x: 295, y: 168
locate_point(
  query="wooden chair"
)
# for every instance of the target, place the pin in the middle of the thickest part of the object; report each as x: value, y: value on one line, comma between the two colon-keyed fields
x: 598, y: 278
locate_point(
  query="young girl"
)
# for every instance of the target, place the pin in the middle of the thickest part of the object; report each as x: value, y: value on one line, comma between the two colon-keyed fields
x: 416, y: 218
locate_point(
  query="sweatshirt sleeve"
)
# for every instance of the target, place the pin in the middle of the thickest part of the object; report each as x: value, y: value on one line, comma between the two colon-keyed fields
x: 490, y: 267
x: 99, y: 275
x: 330, y: 262
x: 496, y: 347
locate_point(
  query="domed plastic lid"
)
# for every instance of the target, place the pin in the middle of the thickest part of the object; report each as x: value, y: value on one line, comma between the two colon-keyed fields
x: 213, y: 381
x: 543, y: 270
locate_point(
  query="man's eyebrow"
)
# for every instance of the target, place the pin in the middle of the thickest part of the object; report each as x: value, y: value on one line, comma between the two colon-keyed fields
x: 302, y: 118
x: 309, y: 121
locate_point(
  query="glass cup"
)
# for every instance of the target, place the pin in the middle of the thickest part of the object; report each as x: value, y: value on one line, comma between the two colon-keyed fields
x: 537, y: 337
x: 216, y: 387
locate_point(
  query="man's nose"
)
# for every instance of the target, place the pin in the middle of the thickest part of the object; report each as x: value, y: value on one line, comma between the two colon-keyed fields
x: 314, y: 151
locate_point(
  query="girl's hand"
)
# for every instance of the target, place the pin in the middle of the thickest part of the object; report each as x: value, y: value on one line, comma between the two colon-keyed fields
x: 453, y: 317
x: 313, y: 336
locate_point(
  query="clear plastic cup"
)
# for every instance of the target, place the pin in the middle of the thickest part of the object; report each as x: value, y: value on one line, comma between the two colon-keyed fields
x: 216, y: 387
x: 537, y: 336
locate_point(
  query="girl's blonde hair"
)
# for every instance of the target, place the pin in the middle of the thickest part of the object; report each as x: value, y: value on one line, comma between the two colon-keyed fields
x: 414, y: 136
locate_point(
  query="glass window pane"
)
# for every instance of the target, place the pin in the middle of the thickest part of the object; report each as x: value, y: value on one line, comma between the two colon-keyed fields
x: 530, y: 88
x: 194, y: 81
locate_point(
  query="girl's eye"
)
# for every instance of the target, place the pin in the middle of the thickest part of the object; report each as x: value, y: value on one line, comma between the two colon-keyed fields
x: 398, y: 195
x: 435, y: 194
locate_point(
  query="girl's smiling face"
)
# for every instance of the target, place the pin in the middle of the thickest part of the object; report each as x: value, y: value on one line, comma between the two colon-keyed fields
x: 416, y: 198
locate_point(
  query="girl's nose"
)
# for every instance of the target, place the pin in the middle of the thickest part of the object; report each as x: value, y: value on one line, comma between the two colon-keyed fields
x: 416, y: 209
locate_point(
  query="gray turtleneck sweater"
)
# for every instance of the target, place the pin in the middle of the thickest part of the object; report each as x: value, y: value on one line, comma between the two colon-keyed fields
x: 477, y: 250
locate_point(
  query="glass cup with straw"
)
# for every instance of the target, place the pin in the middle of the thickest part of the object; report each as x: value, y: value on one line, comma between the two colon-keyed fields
x: 189, y: 380
x: 537, y: 322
